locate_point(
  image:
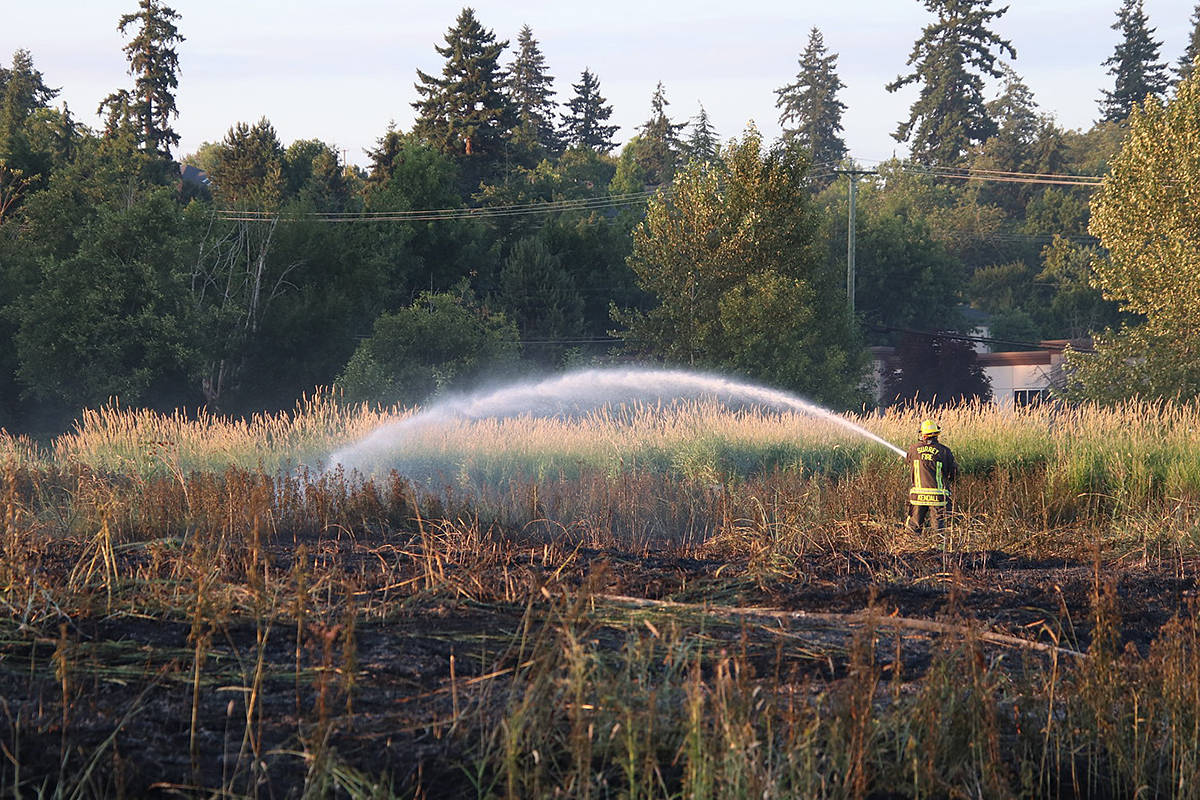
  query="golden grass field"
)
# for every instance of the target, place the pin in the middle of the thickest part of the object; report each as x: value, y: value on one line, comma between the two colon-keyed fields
x: 679, y: 601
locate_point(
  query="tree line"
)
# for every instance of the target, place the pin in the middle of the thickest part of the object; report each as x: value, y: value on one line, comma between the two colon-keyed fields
x: 507, y: 230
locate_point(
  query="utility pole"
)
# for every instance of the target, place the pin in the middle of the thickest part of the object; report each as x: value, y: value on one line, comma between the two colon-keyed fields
x: 850, y: 231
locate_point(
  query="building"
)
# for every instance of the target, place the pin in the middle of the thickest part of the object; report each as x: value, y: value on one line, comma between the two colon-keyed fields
x: 1018, y: 377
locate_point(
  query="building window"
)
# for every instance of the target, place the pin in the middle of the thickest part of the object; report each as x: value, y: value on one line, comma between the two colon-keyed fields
x: 1030, y: 397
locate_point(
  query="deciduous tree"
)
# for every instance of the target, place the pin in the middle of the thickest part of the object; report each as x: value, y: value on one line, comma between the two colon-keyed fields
x: 1145, y: 215
x: 440, y: 342
x: 733, y: 260
x: 937, y: 370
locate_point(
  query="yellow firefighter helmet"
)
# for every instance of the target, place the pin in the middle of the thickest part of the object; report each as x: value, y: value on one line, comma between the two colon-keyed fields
x: 930, y: 428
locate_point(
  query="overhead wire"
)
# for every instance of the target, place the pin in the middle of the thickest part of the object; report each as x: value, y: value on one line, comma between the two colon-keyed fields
x: 622, y: 200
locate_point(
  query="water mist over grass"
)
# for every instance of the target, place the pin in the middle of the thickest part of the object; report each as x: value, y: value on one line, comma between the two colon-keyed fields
x: 611, y: 419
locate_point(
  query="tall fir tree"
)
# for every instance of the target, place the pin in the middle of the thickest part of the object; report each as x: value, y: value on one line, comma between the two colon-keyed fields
x: 587, y: 111
x: 465, y: 113
x: 702, y: 142
x: 657, y: 147
x: 949, y: 115
x: 810, y: 112
x: 530, y: 91
x: 154, y: 63
x: 1137, y: 72
x: 1187, y: 61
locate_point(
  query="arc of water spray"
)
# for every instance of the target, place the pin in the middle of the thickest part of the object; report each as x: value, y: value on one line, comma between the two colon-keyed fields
x: 591, y: 387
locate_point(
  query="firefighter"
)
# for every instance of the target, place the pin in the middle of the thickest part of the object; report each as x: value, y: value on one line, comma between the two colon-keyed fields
x: 933, y: 470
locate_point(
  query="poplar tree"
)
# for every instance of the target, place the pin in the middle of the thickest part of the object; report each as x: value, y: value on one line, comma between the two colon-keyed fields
x: 583, y: 124
x: 1145, y: 216
x: 465, y: 113
x: 1187, y: 61
x: 1137, y: 72
x: 949, y: 115
x: 810, y: 113
x: 531, y: 93
x: 154, y: 63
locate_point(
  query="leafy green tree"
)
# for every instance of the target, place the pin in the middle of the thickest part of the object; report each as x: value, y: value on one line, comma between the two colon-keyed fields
x: 443, y: 341
x: 540, y: 296
x: 587, y: 111
x: 531, y: 94
x: 905, y: 277
x: 702, y: 142
x: 315, y: 176
x: 154, y: 62
x: 465, y: 113
x: 1144, y: 215
x: 950, y: 115
x: 1024, y: 141
x: 732, y: 257
x: 248, y: 172
x: 112, y: 318
x: 1187, y: 61
x: 1076, y: 308
x: 1137, y: 72
x: 407, y: 174
x: 936, y: 370
x: 810, y: 112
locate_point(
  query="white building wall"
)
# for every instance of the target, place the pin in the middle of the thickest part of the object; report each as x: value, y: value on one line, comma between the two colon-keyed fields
x: 1008, y: 379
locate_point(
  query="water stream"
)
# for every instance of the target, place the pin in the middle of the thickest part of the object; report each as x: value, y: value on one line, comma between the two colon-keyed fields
x: 576, y: 393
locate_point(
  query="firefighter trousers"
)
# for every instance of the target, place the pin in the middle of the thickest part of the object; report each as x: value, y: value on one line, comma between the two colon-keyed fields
x: 936, y: 515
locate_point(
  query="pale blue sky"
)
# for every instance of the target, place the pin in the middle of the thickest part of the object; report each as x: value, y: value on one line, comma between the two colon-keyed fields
x: 341, y: 71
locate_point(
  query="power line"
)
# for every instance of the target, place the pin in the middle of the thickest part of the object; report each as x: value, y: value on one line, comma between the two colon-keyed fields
x: 962, y: 337
x: 629, y: 199
x: 432, y: 215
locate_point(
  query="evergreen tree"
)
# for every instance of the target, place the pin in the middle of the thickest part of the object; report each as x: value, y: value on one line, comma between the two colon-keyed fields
x: 583, y: 124
x: 22, y: 162
x: 249, y: 168
x: 464, y: 113
x: 702, y: 143
x: 949, y: 115
x: 531, y: 96
x: 155, y: 64
x: 1187, y: 61
x: 657, y: 147
x: 1134, y: 64
x: 22, y: 91
x: 1023, y: 142
x: 810, y: 105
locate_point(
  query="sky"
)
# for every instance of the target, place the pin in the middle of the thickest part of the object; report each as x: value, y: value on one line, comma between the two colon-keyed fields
x: 343, y: 71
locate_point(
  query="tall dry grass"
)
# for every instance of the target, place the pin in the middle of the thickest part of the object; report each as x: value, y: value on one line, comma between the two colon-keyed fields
x: 217, y: 526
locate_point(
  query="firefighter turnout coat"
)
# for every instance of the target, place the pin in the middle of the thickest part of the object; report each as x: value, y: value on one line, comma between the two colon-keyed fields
x: 933, y: 470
